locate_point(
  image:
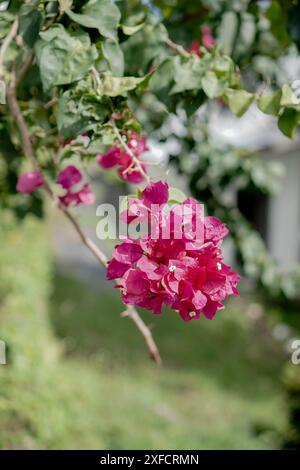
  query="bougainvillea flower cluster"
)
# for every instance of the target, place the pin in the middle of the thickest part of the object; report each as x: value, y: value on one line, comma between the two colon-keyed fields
x: 30, y: 181
x: 68, y: 178
x: 186, y: 273
x: 207, y: 41
x: 118, y: 157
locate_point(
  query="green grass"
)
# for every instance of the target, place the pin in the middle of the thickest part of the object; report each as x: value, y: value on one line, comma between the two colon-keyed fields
x: 82, y: 378
x: 219, y: 386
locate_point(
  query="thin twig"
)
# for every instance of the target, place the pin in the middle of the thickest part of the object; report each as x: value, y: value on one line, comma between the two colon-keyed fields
x: 178, y: 48
x: 96, y: 76
x: 29, y: 153
x: 10, y: 36
x: 129, y: 151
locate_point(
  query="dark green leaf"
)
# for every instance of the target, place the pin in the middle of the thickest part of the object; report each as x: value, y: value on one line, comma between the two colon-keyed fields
x: 30, y: 24
x: 103, y: 15
x: 288, y: 121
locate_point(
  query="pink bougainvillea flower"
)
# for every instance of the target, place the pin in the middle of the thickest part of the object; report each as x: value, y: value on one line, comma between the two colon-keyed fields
x: 195, y: 48
x: 69, y: 177
x: 137, y: 144
x: 208, y: 40
x: 30, y: 181
x: 118, y: 157
x: 187, y: 274
x: 86, y: 195
x: 110, y: 159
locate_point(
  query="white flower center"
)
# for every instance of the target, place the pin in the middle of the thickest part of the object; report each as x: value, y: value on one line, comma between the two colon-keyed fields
x: 219, y: 266
x: 172, y: 268
x: 192, y: 314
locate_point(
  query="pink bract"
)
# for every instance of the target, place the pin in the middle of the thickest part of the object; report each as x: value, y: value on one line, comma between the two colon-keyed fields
x: 118, y: 157
x: 30, y: 181
x: 186, y: 274
x: 69, y: 177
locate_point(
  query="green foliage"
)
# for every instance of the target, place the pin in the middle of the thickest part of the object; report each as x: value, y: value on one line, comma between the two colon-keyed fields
x: 239, y: 101
x: 30, y: 24
x: 85, y: 61
x: 103, y: 15
x: 291, y: 439
x: 62, y: 369
x: 63, y: 57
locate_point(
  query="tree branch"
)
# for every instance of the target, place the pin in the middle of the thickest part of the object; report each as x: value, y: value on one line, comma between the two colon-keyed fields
x: 29, y: 153
x: 178, y: 48
x: 5, y: 45
x: 128, y: 150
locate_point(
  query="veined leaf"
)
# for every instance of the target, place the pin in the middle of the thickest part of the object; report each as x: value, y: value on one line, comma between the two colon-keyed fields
x: 63, y: 57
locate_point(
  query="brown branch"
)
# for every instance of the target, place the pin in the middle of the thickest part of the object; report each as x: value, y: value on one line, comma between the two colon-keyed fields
x: 5, y: 45
x: 178, y: 48
x: 29, y: 153
x: 127, y: 149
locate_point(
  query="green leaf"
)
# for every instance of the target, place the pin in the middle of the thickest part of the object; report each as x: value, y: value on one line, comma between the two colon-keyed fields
x: 116, y: 86
x: 270, y: 103
x: 288, y: 121
x: 212, y: 86
x: 63, y: 57
x: 227, y: 31
x: 188, y: 74
x: 2, y: 92
x: 114, y: 56
x: 103, y: 15
x: 144, y: 47
x: 79, y: 111
x: 30, y: 23
x: 288, y: 98
x: 239, y: 101
x: 130, y: 30
x: 176, y: 196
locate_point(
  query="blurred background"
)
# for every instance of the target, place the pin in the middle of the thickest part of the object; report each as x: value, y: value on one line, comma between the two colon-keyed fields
x: 77, y: 376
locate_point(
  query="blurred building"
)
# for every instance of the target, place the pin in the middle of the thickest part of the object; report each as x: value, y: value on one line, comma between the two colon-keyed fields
x: 276, y: 217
